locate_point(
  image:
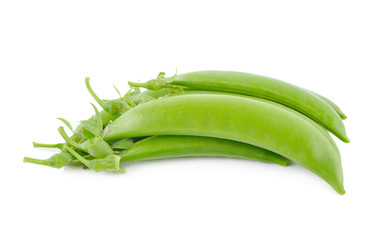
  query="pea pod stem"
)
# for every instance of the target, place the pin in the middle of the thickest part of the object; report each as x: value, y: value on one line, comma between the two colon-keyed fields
x: 108, y: 163
x: 157, y: 83
x: 106, y: 118
x: 44, y: 145
x: 70, y: 141
x: 76, y: 155
x: 50, y: 162
x: 44, y: 162
x: 129, y: 100
x: 57, y: 160
x: 94, y: 95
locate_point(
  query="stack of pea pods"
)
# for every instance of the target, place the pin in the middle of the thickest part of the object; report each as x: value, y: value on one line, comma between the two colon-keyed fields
x: 207, y: 113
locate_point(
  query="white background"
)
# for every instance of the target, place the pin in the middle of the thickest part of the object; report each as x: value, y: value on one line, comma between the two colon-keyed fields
x: 47, y: 48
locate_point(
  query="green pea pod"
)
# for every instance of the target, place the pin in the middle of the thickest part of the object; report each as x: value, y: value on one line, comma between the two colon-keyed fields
x: 163, y: 93
x: 191, y: 91
x: 333, y: 105
x: 257, y: 122
x: 271, y: 89
x: 155, y: 94
x: 159, y: 147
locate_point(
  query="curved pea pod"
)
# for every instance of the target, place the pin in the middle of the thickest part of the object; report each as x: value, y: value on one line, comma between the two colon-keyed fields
x: 163, y: 92
x: 275, y: 90
x: 193, y: 91
x: 257, y: 122
x: 160, y: 147
x: 333, y: 105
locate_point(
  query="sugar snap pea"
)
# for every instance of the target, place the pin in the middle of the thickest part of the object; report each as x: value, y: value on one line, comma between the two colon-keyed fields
x: 193, y: 91
x: 154, y: 94
x: 257, y: 122
x: 333, y: 105
x: 195, y: 116
x: 159, y: 147
x: 258, y: 86
x: 168, y: 93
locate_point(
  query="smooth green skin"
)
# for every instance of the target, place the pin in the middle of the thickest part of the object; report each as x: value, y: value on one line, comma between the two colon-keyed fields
x: 160, y: 147
x: 163, y: 93
x: 333, y: 105
x: 268, y: 88
x: 257, y: 122
x: 155, y: 94
x: 319, y: 127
